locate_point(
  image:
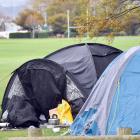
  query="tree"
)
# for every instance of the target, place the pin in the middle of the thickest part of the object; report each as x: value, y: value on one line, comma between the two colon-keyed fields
x: 93, y: 17
x: 109, y: 17
x: 58, y: 23
x: 29, y: 19
x: 57, y: 12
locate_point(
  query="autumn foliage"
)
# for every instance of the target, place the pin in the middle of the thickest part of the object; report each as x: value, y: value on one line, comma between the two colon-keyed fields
x: 89, y: 17
x: 29, y: 18
x: 108, y: 17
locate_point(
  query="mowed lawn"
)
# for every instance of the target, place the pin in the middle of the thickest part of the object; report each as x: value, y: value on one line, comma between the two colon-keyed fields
x: 15, y: 52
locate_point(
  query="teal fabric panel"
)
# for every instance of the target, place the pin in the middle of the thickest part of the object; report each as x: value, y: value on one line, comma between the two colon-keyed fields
x: 125, y: 108
x: 78, y: 127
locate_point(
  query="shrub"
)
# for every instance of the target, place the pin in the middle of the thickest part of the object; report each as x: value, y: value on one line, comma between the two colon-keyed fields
x: 43, y: 34
x: 137, y: 31
x: 20, y: 35
x: 121, y: 33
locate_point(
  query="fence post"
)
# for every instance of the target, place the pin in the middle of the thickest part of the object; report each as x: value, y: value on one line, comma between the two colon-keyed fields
x: 124, y: 131
x: 34, y: 132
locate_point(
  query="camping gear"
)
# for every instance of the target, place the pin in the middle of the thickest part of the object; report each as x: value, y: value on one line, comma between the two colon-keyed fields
x: 114, y: 100
x: 54, y: 120
x: 40, y: 85
x: 35, y: 88
x: 83, y: 64
x: 56, y: 129
x: 53, y: 111
x: 2, y: 125
x: 64, y: 113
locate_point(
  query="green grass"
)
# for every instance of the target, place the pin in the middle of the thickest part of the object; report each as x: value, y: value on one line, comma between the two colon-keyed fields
x: 4, y: 135
x: 15, y: 52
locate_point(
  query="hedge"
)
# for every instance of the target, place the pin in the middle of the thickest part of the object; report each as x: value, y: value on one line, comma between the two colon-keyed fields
x: 20, y: 35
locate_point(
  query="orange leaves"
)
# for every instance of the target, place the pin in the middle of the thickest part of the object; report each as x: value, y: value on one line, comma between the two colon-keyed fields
x: 29, y: 17
x: 107, y: 17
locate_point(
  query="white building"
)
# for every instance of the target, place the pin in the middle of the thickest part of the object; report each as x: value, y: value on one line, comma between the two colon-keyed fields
x: 7, y: 27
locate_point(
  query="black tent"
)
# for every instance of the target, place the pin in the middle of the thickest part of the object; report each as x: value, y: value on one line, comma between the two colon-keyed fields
x: 34, y: 88
x: 83, y: 63
x: 39, y: 85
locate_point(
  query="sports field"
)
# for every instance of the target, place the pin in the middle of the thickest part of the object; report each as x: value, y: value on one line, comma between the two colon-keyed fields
x: 15, y: 52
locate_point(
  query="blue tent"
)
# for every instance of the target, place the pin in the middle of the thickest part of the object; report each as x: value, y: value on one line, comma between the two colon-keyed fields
x: 114, y: 102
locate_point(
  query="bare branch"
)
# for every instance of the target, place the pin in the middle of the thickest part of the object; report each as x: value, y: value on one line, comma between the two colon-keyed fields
x: 124, y: 12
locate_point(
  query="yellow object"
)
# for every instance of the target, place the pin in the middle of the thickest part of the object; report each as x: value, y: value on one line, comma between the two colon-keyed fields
x: 64, y: 113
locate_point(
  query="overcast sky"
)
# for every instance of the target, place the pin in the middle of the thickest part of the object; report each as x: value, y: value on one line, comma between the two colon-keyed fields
x: 12, y: 2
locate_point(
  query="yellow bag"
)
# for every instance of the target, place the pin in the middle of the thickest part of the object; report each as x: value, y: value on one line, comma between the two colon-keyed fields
x: 64, y: 113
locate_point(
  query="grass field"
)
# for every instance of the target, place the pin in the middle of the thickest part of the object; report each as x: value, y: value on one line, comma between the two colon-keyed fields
x: 15, y: 52
x: 4, y: 135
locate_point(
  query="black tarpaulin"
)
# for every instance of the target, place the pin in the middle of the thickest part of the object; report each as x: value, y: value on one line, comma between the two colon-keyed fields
x: 43, y: 83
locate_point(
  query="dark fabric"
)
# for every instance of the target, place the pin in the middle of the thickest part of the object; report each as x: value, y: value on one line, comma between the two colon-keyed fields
x: 5, y: 97
x: 79, y: 63
x: 76, y: 105
x: 102, y: 50
x: 85, y: 63
x: 102, y: 62
x: 42, y: 89
x: 44, y: 84
x: 102, y: 56
x: 21, y: 113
